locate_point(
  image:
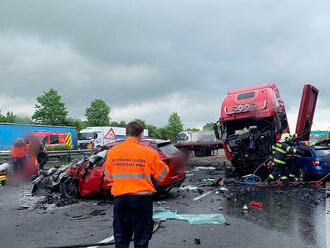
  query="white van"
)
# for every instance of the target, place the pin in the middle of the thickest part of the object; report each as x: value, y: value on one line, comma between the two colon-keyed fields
x: 102, y: 135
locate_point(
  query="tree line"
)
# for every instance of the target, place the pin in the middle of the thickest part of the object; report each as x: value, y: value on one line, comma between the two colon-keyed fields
x: 50, y: 110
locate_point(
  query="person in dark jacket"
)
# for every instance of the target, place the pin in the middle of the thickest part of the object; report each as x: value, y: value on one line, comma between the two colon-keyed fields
x: 42, y: 157
x: 284, y: 167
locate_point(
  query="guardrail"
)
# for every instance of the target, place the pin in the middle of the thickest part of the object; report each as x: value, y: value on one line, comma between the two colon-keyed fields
x: 5, y: 155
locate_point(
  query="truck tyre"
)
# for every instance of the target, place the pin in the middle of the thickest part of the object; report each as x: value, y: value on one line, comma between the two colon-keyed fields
x: 199, y: 153
x: 69, y: 187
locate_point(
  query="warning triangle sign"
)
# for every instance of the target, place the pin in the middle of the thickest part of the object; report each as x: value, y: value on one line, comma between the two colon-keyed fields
x: 110, y: 135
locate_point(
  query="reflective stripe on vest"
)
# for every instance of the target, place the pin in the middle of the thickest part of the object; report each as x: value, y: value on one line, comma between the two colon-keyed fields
x: 284, y: 178
x: 162, y: 175
x: 271, y: 176
x: 279, y: 161
x: 280, y: 150
x: 129, y: 176
x: 143, y: 193
x: 291, y: 175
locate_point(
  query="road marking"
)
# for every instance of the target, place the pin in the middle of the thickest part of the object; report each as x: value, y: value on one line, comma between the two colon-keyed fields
x: 201, y: 196
x: 103, y: 241
x: 327, y: 215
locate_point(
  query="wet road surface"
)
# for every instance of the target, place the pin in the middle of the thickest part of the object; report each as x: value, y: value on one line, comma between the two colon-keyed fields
x: 294, y: 217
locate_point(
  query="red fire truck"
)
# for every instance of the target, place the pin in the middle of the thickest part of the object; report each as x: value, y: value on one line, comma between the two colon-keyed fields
x: 54, y: 138
x: 253, y: 119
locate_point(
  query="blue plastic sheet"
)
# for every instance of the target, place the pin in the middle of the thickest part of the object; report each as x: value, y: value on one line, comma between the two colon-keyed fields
x: 161, y: 213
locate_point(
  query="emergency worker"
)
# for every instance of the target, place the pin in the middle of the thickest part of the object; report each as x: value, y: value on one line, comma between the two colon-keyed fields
x: 18, y: 154
x: 42, y: 157
x: 131, y: 167
x: 284, y: 163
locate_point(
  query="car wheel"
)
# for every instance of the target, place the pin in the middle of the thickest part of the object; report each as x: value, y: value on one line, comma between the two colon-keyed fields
x: 301, y: 175
x: 69, y: 188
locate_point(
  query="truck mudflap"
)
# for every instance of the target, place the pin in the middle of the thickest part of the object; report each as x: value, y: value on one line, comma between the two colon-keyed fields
x: 306, y: 112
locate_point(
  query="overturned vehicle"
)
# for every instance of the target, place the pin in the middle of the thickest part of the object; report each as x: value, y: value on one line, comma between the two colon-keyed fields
x: 86, y: 177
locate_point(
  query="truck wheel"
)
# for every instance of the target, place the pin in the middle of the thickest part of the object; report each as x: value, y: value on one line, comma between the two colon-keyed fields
x: 3, y: 182
x: 69, y: 188
x: 301, y: 175
x: 198, y: 153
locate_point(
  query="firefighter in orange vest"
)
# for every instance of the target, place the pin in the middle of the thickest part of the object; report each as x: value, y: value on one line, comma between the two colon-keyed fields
x: 131, y: 167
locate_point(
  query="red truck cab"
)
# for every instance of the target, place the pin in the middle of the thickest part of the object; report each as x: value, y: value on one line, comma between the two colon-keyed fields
x: 253, y: 119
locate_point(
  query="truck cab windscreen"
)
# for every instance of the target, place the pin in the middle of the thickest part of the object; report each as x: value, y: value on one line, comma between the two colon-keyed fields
x: 235, y: 126
x: 86, y: 136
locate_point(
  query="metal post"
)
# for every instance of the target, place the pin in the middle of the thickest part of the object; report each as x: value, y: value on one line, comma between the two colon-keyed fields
x: 69, y: 156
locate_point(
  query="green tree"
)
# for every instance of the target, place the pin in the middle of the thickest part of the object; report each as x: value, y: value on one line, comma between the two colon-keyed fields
x: 22, y: 120
x: 208, y: 126
x: 143, y: 123
x: 163, y: 133
x: 50, y: 110
x: 118, y: 124
x: 153, y: 131
x: 77, y: 123
x: 174, y: 126
x: 98, y: 114
x: 8, y: 118
x: 192, y: 129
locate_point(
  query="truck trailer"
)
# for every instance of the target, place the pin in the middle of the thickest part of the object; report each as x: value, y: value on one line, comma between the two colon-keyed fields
x: 100, y: 136
x: 9, y: 132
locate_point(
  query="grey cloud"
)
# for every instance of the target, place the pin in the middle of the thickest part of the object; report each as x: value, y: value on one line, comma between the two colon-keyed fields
x: 131, y: 52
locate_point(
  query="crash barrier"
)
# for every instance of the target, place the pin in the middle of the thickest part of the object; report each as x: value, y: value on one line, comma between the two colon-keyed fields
x: 5, y: 155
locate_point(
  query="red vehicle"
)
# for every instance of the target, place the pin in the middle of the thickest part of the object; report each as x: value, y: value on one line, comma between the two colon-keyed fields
x: 53, y: 138
x: 253, y: 119
x: 86, y: 178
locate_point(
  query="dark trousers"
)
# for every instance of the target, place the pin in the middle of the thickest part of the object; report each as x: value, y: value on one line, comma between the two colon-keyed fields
x: 18, y: 164
x: 42, y: 159
x: 132, y: 214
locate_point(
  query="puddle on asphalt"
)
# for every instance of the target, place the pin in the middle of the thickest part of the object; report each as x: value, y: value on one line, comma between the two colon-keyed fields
x: 300, y: 212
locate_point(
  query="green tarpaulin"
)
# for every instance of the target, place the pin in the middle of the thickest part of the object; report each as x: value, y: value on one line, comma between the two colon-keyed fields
x: 161, y: 213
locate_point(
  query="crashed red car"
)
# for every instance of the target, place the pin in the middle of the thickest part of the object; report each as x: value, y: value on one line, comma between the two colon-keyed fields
x: 86, y: 177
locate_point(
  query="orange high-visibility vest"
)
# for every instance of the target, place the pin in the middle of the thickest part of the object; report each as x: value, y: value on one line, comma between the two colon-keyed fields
x: 19, y: 151
x: 130, y: 167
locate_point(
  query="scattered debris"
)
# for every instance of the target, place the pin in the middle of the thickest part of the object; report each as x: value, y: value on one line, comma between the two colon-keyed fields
x: 203, y: 168
x: 197, y: 241
x: 201, y: 196
x: 188, y: 187
x: 208, y: 180
x: 256, y: 204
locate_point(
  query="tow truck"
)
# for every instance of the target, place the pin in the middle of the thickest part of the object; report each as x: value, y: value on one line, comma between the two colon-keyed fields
x: 253, y: 119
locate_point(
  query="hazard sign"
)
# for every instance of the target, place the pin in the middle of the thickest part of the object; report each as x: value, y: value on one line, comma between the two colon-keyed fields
x: 110, y: 135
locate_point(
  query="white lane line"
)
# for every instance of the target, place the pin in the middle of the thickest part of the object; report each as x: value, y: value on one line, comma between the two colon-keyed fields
x: 327, y: 215
x: 103, y: 241
x: 201, y: 196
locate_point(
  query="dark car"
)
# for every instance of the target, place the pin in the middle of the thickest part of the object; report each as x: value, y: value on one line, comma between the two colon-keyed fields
x: 314, y: 163
x: 86, y: 177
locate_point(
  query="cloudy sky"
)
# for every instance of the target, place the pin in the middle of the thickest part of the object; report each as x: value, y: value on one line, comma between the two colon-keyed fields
x: 147, y: 59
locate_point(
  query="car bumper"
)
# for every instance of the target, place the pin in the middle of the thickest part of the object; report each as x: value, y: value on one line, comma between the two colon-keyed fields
x: 168, y: 187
